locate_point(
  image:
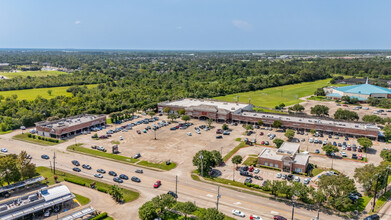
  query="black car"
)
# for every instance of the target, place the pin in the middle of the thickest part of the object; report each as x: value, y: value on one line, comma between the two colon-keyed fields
x: 245, y: 168
x: 101, y: 171
x: 372, y: 217
x: 75, y: 162
x: 139, y: 171
x: 112, y: 173
x: 86, y: 166
x: 44, y: 156
x: 135, y: 179
x: 124, y: 177
x: 137, y: 156
x: 77, y: 169
x: 219, y: 137
x: 289, y: 177
x: 118, y: 180
x: 354, y: 156
x: 173, y: 194
x: 173, y: 128
x: 245, y: 173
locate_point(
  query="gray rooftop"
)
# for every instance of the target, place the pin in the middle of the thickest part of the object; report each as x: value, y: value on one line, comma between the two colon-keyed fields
x: 270, y: 154
x: 301, y: 158
x: 68, y: 122
x: 289, y: 148
x: 186, y: 103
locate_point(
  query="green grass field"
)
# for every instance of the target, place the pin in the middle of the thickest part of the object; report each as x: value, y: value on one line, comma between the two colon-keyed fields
x: 271, y: 97
x: 31, y: 73
x: 81, y: 199
x: 31, y: 94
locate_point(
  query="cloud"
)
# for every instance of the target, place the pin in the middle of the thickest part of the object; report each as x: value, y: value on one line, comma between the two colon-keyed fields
x: 179, y: 27
x: 242, y: 24
x: 77, y: 22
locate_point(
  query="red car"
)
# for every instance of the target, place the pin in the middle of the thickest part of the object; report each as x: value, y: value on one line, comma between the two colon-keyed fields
x: 279, y: 217
x: 359, y: 149
x: 345, y: 105
x: 138, y: 132
x: 219, y: 131
x: 262, y: 142
x: 359, y: 157
x: 261, y: 133
x: 251, y: 169
x: 349, y: 148
x: 157, y: 184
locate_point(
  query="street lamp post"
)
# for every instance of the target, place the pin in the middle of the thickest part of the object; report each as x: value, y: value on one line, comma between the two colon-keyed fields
x: 374, y: 198
x: 293, y: 208
x: 386, y: 180
x: 202, y: 166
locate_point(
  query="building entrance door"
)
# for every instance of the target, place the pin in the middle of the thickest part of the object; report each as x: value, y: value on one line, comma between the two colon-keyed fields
x: 286, y: 169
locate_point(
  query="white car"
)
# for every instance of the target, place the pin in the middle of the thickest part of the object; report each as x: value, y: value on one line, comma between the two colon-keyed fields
x: 121, y: 138
x: 188, y: 133
x: 278, y: 175
x: 98, y: 175
x: 255, y: 217
x: 198, y: 131
x: 307, y: 181
x: 343, y: 154
x: 297, y: 179
x: 256, y: 171
x: 4, y: 150
x: 343, y: 147
x: 238, y: 213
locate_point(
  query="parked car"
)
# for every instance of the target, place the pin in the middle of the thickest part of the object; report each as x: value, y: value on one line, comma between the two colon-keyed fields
x: 283, y: 176
x: 219, y: 131
x: 307, y: 181
x: 278, y: 175
x: 266, y: 142
x: 256, y: 170
x: 4, y: 150
x: 118, y: 180
x: 297, y: 179
x: 137, y: 156
x: 157, y: 184
x: 251, y: 169
x: 98, y: 175
x: 317, y: 151
x: 135, y: 179
x: 248, y: 180
x: 238, y: 213
x: 372, y: 217
x: 44, y: 156
x: 226, y: 133
x: 354, y: 156
x: 343, y: 154
x: 359, y: 149
x: 359, y: 157
x: 219, y: 137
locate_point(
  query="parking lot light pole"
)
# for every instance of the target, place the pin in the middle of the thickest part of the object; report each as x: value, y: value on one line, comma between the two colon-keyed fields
x: 293, y: 208
x: 374, y: 198
x: 386, y: 181
x: 218, y: 197
x: 176, y: 186
x: 202, y: 166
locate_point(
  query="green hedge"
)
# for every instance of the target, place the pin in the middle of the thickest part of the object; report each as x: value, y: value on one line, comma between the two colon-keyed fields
x: 267, y: 167
x: 43, y: 138
x: 102, y: 190
x: 78, y: 182
x: 100, y: 216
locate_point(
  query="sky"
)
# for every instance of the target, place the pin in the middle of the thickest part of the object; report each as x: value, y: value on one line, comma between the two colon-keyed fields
x: 196, y: 24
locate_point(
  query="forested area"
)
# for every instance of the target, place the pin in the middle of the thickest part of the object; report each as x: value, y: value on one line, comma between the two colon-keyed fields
x: 140, y: 80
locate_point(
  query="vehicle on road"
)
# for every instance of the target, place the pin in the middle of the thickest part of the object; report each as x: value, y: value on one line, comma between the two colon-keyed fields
x: 372, y: 217
x: 137, y: 156
x: 238, y: 213
x: 75, y: 162
x: 86, y: 166
x: 139, y: 171
x: 77, y: 169
x: 279, y: 217
x: 157, y: 184
x: 135, y: 179
x: 4, y: 150
x: 101, y: 171
x: 98, y: 175
x: 124, y: 177
x: 112, y: 173
x: 255, y: 217
x: 118, y: 180
x: 172, y: 194
x: 44, y: 156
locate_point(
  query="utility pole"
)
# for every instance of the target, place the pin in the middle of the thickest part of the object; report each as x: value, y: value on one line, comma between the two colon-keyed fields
x: 155, y: 133
x: 176, y: 185
x: 233, y: 174
x: 54, y: 163
x: 202, y: 166
x: 218, y: 197
x: 386, y: 181
x: 374, y: 198
x: 293, y: 208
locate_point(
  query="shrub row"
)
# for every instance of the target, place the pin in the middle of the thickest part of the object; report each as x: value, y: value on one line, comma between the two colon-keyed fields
x: 100, y: 216
x: 78, y: 182
x: 253, y: 185
x: 102, y: 190
x: 272, y: 168
x: 43, y: 138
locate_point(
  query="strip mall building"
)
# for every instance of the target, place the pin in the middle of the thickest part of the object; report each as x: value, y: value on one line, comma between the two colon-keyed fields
x: 243, y: 113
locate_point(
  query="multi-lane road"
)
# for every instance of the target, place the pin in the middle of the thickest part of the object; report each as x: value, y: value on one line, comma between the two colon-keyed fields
x: 203, y: 194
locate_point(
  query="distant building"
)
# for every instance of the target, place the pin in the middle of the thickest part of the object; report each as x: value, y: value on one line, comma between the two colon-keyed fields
x: 362, y: 92
x: 33, y: 205
x: 69, y: 126
x: 287, y: 158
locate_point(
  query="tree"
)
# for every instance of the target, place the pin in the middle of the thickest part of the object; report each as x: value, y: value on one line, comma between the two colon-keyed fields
x: 166, y: 110
x: 206, y: 163
x: 224, y: 127
x: 345, y: 115
x: 181, y: 111
x: 186, y: 208
x: 185, y: 118
x: 260, y: 122
x: 172, y: 116
x: 116, y: 193
x: 26, y: 168
x: 366, y: 176
x: 277, y: 124
x: 319, y: 92
x: 50, y: 92
x: 278, y: 142
x: 290, y: 134
x: 297, y: 108
x: 211, y: 213
x: 284, y: 188
x: 282, y: 105
x: 387, y: 132
x: 162, y: 202
x: 320, y: 110
x: 237, y: 159
x: 217, y: 156
x: 151, y: 113
x: 9, y: 168
x: 147, y: 211
x: 313, y: 131
x: 209, y: 122
x: 365, y: 143
x: 337, y: 188
x: 329, y: 148
x: 318, y: 197
x: 374, y: 119
x: 301, y: 191
x: 248, y: 127
x: 386, y: 155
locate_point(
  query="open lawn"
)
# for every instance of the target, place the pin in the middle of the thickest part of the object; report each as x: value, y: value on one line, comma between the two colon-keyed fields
x: 271, y: 97
x: 31, y: 94
x: 103, y: 187
x: 81, y: 199
x: 31, y: 73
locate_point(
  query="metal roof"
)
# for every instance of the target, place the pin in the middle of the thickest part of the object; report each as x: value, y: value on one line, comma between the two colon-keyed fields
x: 365, y: 89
